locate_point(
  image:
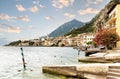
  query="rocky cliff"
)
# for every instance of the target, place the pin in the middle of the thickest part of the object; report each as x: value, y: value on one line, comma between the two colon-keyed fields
x: 102, y: 17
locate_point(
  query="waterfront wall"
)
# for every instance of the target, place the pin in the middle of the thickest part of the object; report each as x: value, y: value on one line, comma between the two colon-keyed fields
x: 93, y: 69
x: 79, y: 70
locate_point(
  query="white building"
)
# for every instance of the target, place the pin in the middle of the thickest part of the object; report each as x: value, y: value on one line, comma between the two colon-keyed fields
x: 87, y: 37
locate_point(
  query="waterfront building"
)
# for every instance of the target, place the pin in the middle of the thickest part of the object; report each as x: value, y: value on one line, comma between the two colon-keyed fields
x: 36, y: 42
x: 78, y: 40
x: 87, y: 37
x: 70, y: 41
x: 113, y: 21
x: 24, y: 43
x: 46, y: 43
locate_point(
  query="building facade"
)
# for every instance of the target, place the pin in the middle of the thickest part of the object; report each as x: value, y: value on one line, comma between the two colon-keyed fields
x: 114, y: 20
x: 87, y: 37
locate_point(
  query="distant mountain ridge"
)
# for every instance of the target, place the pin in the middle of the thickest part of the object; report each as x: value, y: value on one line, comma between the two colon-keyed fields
x: 66, y: 27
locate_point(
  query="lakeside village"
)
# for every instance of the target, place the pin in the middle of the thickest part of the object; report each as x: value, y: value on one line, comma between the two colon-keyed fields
x: 68, y: 41
x: 108, y: 36
x: 107, y: 33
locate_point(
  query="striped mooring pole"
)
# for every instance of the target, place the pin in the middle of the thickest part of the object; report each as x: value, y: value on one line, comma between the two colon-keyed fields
x: 23, y: 60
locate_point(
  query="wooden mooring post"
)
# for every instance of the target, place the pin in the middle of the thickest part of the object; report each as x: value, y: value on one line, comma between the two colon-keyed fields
x: 23, y: 60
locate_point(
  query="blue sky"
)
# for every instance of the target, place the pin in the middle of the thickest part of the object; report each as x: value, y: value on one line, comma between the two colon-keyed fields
x: 29, y: 19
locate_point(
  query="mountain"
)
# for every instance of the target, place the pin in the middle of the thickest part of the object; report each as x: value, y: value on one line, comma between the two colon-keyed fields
x: 66, y: 27
x: 97, y: 22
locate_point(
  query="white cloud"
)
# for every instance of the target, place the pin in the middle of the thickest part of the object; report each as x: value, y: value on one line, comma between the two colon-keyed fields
x: 30, y: 27
x: 23, y: 18
x: 5, y: 17
x: 34, y: 9
x: 94, y: 2
x: 9, y: 29
x: 13, y: 29
x: 72, y: 1
x: 88, y: 11
x: 62, y: 3
x: 14, y: 18
x: 69, y: 15
x: 49, y: 17
x: 20, y: 8
x: 2, y: 30
x: 41, y: 6
x: 57, y: 6
x: 36, y: 2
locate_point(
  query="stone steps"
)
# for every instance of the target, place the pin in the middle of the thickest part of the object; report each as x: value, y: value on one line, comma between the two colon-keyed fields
x: 114, y: 67
x: 112, y: 77
x: 69, y: 71
x: 114, y: 72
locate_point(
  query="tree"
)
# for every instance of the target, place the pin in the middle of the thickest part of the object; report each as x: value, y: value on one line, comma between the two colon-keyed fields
x: 31, y: 43
x: 89, y: 43
x: 107, y: 37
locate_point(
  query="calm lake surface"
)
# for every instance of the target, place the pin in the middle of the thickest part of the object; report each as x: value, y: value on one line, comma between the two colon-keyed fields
x: 35, y: 57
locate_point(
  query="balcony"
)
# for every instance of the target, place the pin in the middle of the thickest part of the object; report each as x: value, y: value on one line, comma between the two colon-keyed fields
x: 112, y: 19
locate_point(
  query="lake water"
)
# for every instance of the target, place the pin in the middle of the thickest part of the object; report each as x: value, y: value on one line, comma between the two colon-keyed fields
x: 35, y: 57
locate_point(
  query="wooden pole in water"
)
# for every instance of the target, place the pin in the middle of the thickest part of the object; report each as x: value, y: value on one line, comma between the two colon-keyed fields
x: 23, y: 60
